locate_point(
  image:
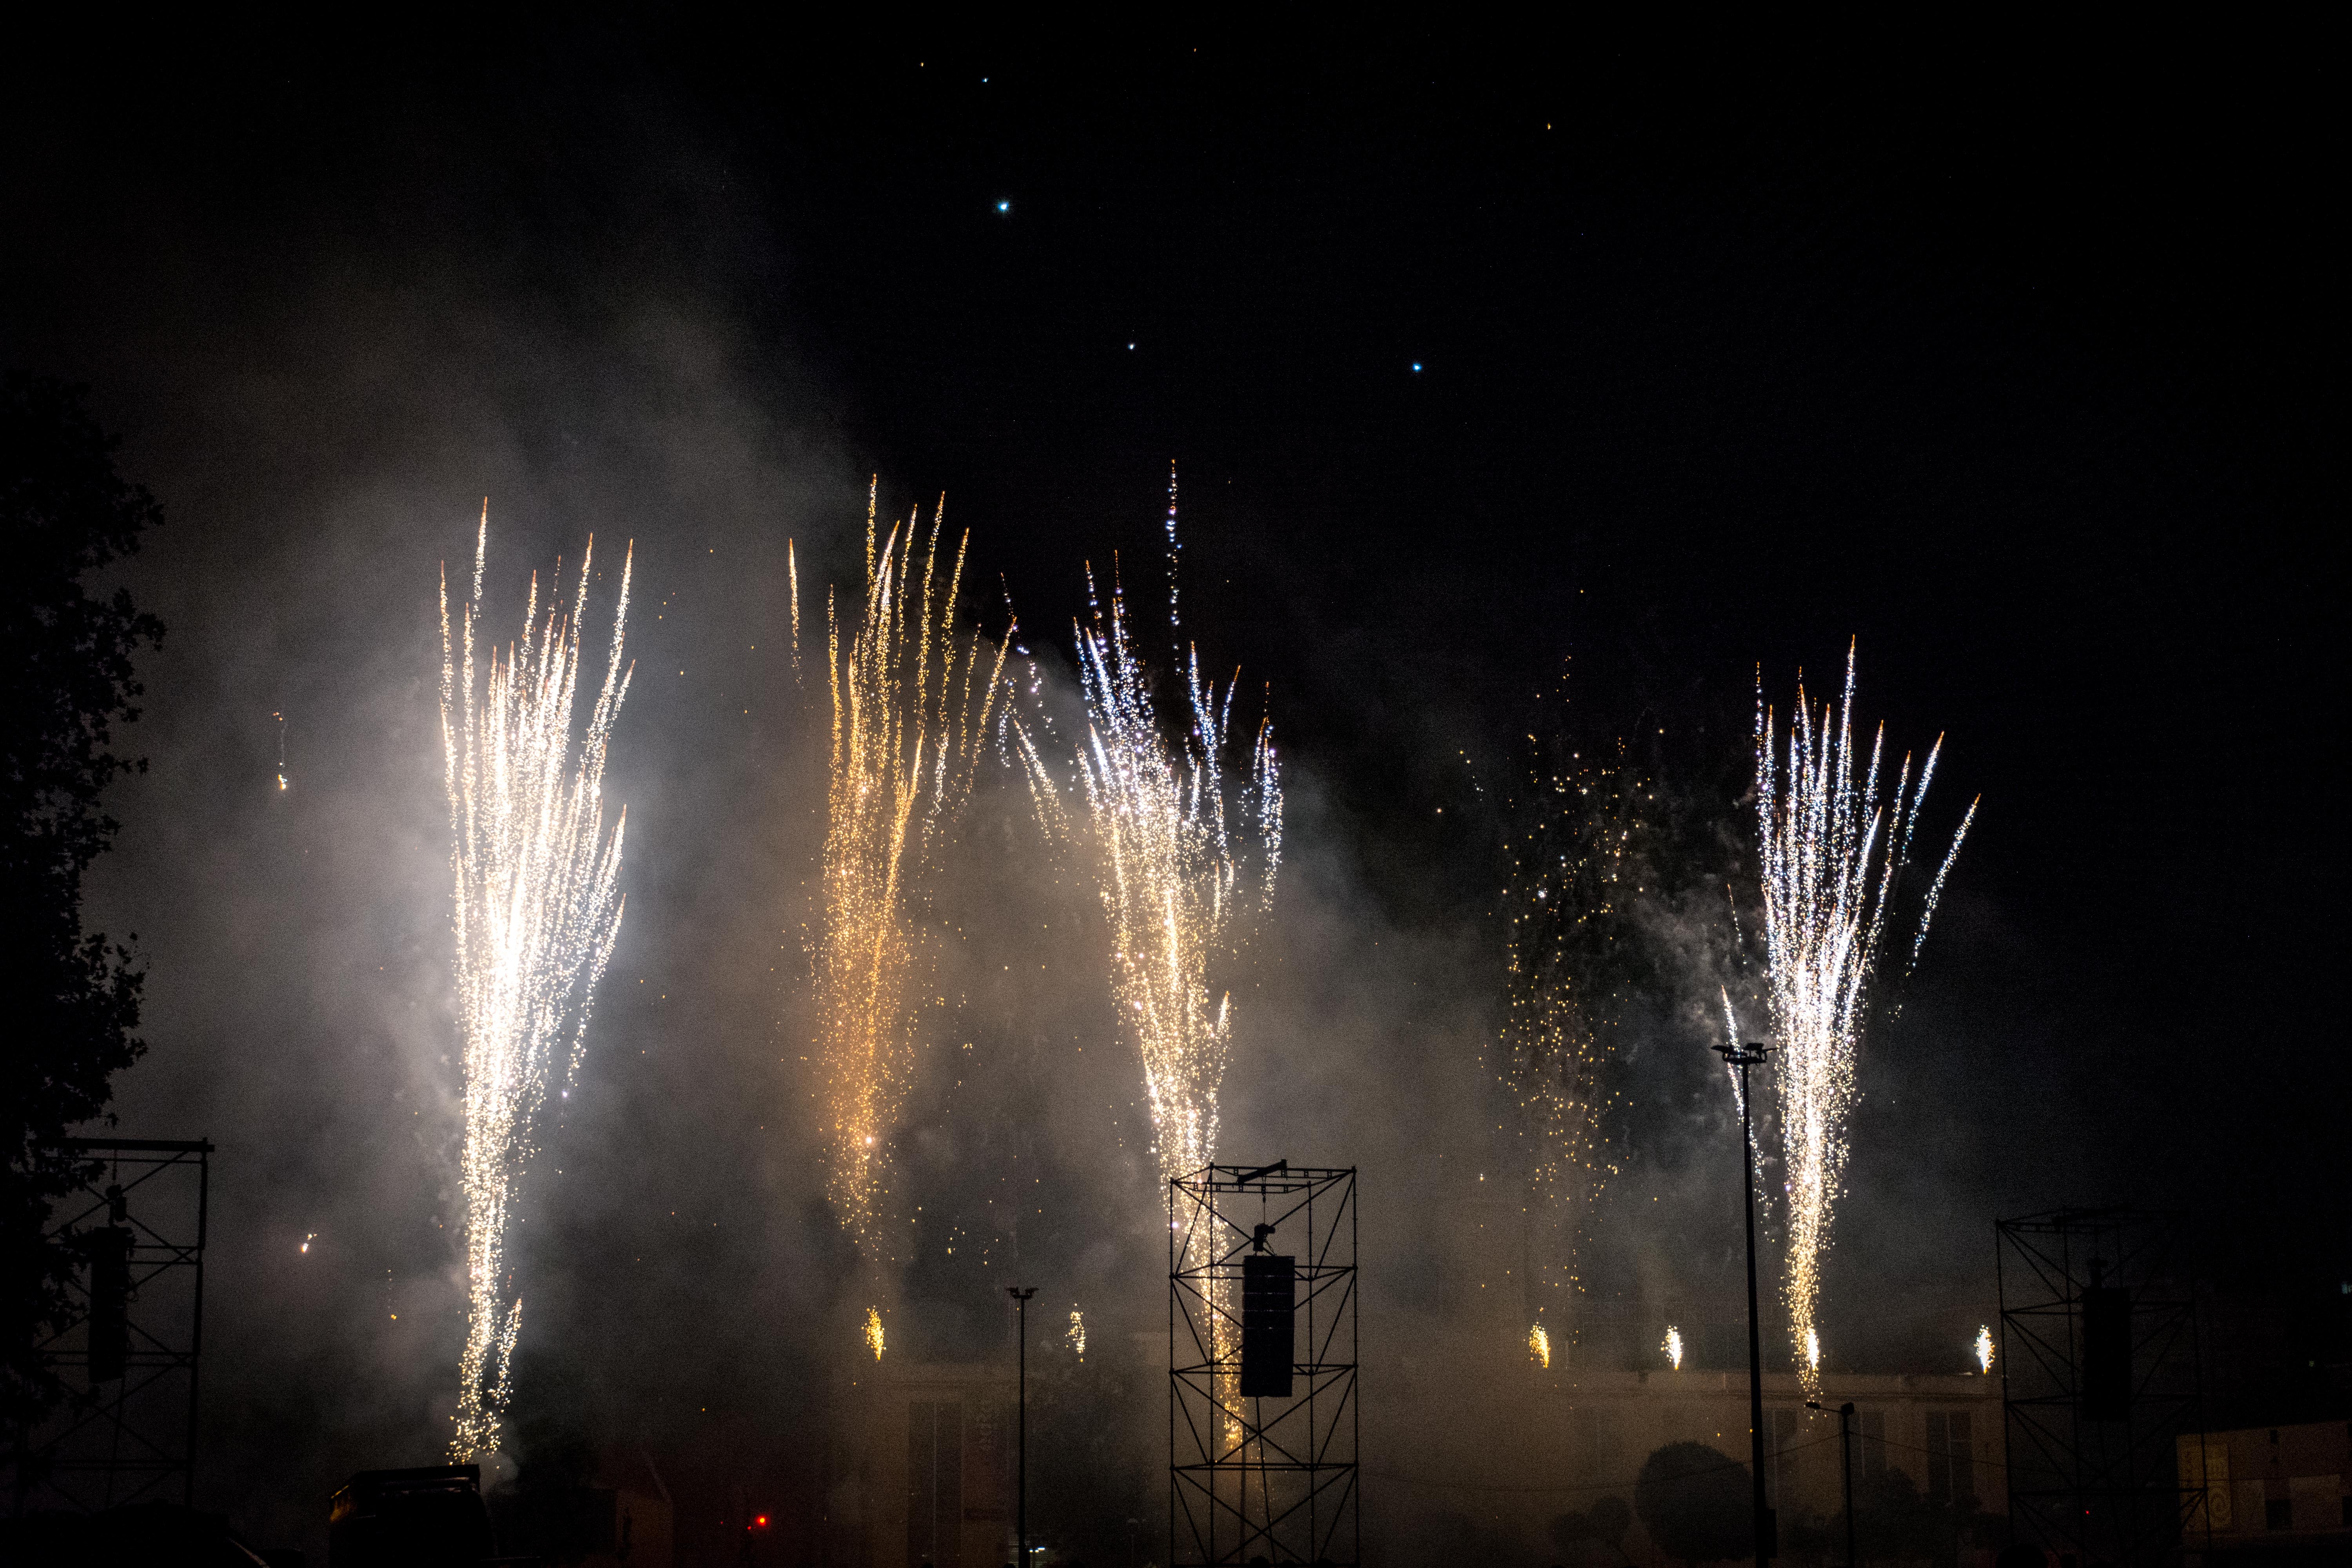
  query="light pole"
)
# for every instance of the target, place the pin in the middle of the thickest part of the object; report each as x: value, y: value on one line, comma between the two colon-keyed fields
x: 1767, y: 1547
x: 1021, y: 1508
x: 1845, y: 1445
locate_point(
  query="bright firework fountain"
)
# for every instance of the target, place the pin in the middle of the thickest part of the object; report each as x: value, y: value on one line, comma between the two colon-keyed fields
x: 537, y: 911
x: 1181, y: 875
x: 1171, y: 868
x: 911, y: 711
x: 1832, y: 852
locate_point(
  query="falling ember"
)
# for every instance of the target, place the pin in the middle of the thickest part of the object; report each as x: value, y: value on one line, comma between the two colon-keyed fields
x: 909, y: 712
x: 280, y: 717
x: 874, y: 1332
x: 1572, y: 962
x: 537, y: 911
x: 1539, y: 1346
x: 1077, y: 1334
x: 1672, y: 1346
x: 306, y: 1240
x: 1831, y: 855
x: 1984, y: 1347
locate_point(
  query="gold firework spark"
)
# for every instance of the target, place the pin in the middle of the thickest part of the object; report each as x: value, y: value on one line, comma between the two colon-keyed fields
x: 1673, y: 1345
x: 874, y: 1330
x: 1078, y: 1333
x: 1984, y: 1347
x: 537, y: 911
x: 1573, y: 959
x: 1539, y: 1346
x: 1831, y: 855
x: 909, y: 712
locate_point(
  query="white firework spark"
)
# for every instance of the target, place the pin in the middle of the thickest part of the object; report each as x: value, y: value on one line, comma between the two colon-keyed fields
x: 1831, y: 853
x: 1171, y: 869
x: 537, y: 911
x: 1171, y: 873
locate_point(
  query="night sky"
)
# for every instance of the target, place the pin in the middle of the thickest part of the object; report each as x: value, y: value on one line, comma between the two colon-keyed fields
x: 2011, y: 359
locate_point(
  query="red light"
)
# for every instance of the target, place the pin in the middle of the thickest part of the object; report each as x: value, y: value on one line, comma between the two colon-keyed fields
x: 761, y: 1523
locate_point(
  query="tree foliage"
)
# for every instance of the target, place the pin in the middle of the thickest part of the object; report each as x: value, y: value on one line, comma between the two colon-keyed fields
x: 1696, y: 1504
x: 71, y: 996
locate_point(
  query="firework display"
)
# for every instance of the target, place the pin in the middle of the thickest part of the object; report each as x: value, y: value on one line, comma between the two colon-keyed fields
x: 1172, y: 868
x: 537, y: 911
x: 1832, y: 852
x: 911, y: 703
x: 1574, y: 957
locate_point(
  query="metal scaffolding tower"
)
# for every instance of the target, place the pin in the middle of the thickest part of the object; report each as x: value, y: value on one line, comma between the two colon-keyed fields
x: 1262, y: 1408
x: 123, y: 1364
x: 2100, y: 1382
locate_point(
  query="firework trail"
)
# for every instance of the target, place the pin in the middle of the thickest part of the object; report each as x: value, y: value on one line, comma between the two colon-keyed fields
x: 1831, y: 853
x: 1182, y: 875
x: 1171, y: 869
x: 1574, y: 957
x: 909, y: 712
x: 537, y: 911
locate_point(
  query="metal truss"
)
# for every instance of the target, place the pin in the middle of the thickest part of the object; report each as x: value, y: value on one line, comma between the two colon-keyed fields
x: 1262, y: 1477
x: 124, y: 1433
x: 2105, y: 1491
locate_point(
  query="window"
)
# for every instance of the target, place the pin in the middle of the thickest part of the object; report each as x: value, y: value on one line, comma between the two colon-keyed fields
x: 1870, y: 1426
x: 1786, y: 1429
x: 1951, y: 1469
x: 2312, y: 1500
x: 1597, y: 1437
x: 934, y: 1484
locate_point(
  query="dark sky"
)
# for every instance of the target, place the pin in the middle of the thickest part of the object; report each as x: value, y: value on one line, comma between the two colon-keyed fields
x: 2012, y: 358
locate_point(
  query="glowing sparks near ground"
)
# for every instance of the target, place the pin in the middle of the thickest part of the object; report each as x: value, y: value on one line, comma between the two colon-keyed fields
x: 1077, y: 1334
x: 1830, y: 857
x: 1539, y: 1346
x: 1672, y: 1346
x: 1984, y: 1347
x: 911, y: 710
x: 874, y: 1332
x: 1813, y: 1350
x: 537, y: 911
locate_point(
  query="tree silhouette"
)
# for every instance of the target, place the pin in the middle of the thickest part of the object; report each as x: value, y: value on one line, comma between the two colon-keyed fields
x: 1695, y: 1503
x: 70, y: 997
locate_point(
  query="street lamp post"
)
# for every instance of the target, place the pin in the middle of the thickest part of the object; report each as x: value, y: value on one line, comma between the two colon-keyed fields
x: 1767, y: 1547
x: 1021, y: 1509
